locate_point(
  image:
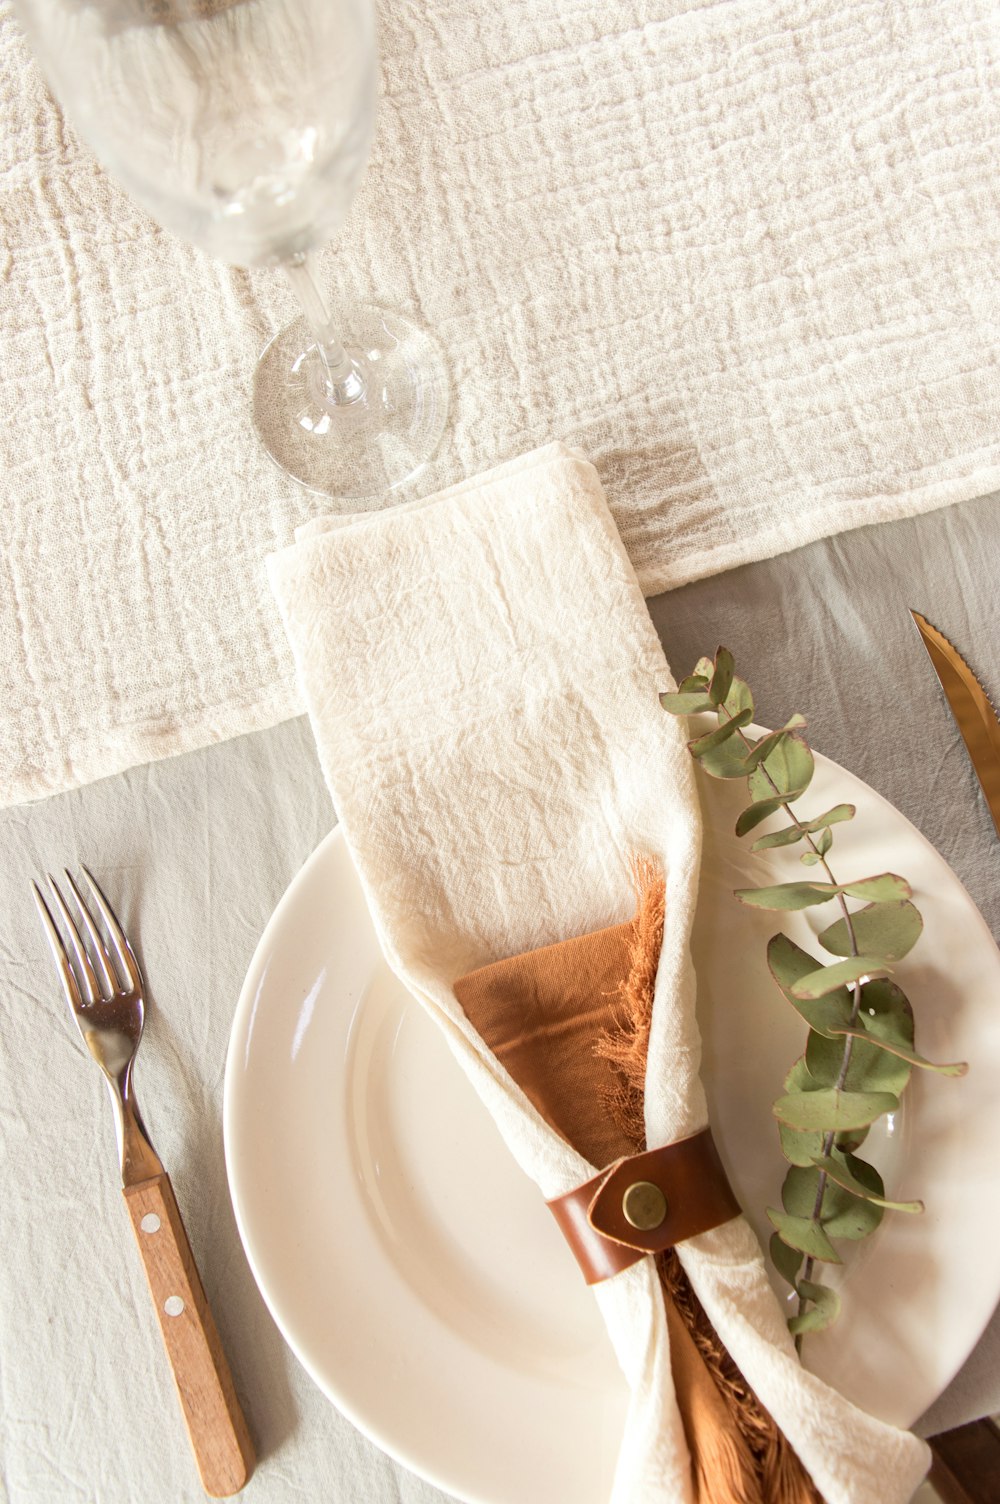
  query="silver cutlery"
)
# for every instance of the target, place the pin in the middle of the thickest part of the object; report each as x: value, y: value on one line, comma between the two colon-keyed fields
x: 105, y: 991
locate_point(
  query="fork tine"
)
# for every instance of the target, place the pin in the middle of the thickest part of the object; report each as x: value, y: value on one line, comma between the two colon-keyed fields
x: 110, y: 981
x: 123, y: 950
x: 85, y: 970
x: 65, y: 970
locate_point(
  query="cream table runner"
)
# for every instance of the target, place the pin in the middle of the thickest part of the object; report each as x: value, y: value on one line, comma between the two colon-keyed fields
x: 743, y: 254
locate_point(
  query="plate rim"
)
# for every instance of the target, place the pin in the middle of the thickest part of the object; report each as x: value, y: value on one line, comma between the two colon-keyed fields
x: 287, y: 902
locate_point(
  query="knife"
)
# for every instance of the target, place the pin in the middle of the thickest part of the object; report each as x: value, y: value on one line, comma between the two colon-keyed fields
x: 972, y: 709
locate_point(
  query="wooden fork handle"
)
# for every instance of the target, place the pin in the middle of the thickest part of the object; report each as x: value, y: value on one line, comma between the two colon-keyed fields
x: 219, y: 1437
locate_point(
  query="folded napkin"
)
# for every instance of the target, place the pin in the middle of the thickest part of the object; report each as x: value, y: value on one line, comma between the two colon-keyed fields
x: 482, y: 675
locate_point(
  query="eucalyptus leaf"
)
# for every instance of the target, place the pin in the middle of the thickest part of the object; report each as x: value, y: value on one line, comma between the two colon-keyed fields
x: 786, y: 837
x: 869, y: 1069
x: 850, y: 1142
x: 788, y: 895
x: 951, y: 1068
x: 761, y: 748
x: 824, y: 1308
x: 722, y: 678
x: 845, y: 1215
x: 810, y: 858
x: 799, y: 1078
x: 786, y: 1260
x: 889, y: 930
x: 805, y: 1235
x: 841, y: 974
x: 704, y: 669
x: 724, y: 760
x: 788, y: 965
x: 787, y: 770
x: 739, y: 698
x: 693, y: 682
x: 841, y: 1214
x: 804, y: 895
x: 686, y: 702
x: 702, y: 744
x: 829, y: 1015
x: 756, y: 814
x: 800, y: 1148
x: 882, y: 889
x: 832, y: 816
x: 772, y: 741
x: 886, y: 1014
x: 799, y: 1191
x: 824, y: 841
x: 832, y: 1110
x: 841, y: 1175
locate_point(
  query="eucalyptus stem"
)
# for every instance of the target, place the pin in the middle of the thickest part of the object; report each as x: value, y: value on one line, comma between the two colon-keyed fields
x: 817, y: 1108
x: 830, y: 1138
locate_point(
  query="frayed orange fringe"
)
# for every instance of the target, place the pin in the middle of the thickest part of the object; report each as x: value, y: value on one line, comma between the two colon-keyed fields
x: 750, y: 1462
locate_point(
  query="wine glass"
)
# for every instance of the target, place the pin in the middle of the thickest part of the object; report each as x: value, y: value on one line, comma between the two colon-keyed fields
x: 244, y: 126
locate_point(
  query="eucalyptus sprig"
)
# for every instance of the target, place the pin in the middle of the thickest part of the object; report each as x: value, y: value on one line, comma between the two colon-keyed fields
x: 860, y: 1050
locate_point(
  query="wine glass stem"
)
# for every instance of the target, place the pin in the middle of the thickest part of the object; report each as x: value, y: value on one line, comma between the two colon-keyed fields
x: 344, y: 380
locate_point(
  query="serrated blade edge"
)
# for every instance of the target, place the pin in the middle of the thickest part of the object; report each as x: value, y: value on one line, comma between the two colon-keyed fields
x: 972, y: 708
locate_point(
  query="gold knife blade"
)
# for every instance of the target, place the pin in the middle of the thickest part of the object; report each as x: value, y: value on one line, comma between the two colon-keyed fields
x: 972, y: 709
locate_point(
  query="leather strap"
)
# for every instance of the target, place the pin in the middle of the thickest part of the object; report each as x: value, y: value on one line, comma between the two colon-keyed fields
x: 680, y: 1188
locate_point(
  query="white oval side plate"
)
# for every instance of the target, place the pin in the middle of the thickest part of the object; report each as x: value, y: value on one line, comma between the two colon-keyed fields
x: 416, y: 1273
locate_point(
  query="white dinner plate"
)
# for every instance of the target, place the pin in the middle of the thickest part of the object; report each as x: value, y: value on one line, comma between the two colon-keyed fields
x: 417, y: 1274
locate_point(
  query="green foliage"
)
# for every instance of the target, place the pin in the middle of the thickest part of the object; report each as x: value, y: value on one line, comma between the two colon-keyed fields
x: 890, y: 930
x: 824, y: 1308
x: 686, y: 701
x: 807, y: 1192
x: 805, y: 1234
x: 860, y: 1050
x: 788, y: 769
x: 786, y: 1260
x: 839, y: 1174
x: 722, y: 677
x: 831, y: 1111
x: 806, y: 895
x: 724, y: 760
x: 788, y: 895
x: 827, y: 979
x: 722, y: 733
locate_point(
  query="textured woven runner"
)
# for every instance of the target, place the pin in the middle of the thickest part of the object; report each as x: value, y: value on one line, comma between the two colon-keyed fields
x: 743, y: 254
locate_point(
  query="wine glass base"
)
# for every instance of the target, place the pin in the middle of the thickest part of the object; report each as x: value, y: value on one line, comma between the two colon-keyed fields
x: 364, y: 448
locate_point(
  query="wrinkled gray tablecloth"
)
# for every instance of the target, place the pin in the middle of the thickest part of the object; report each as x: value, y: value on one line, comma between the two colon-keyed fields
x: 196, y: 853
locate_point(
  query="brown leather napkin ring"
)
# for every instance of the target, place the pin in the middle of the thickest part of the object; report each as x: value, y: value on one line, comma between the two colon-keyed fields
x: 644, y: 1204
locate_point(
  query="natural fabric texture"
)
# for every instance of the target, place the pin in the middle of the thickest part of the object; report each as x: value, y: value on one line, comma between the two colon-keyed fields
x: 743, y: 253
x: 570, y: 1023
x: 482, y: 676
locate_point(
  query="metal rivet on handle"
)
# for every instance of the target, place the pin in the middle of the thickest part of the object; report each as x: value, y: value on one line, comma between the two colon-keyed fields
x: 150, y: 1223
x: 644, y: 1205
x: 173, y: 1305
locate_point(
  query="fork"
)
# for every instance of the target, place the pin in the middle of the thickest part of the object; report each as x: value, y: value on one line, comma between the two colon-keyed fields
x: 104, y: 987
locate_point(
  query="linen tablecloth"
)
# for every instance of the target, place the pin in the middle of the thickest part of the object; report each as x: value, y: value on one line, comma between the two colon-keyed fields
x: 196, y: 851
x: 743, y: 254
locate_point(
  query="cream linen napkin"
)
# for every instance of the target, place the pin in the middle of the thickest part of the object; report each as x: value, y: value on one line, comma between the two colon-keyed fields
x: 482, y: 676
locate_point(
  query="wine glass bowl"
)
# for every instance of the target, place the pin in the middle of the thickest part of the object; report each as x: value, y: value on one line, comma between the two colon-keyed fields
x: 244, y: 127
x: 362, y: 445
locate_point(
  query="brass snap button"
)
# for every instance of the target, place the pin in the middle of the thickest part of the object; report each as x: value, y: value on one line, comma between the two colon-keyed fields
x: 644, y: 1205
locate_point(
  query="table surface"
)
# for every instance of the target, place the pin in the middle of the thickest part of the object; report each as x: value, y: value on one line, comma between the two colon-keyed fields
x: 196, y: 851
